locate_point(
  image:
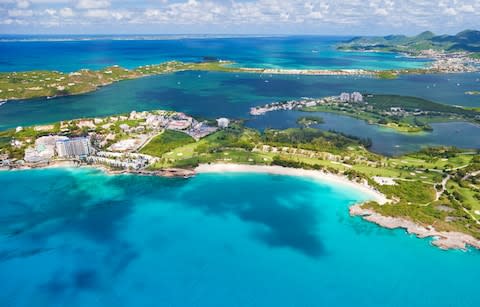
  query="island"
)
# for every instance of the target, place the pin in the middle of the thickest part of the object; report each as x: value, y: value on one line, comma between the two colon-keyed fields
x: 450, y: 53
x: 432, y: 193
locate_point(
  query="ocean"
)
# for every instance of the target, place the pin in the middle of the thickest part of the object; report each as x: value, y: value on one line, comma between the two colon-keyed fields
x: 78, y: 237
x: 71, y: 53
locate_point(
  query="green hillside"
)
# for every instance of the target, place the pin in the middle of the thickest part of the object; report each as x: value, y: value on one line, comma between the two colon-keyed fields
x: 468, y: 40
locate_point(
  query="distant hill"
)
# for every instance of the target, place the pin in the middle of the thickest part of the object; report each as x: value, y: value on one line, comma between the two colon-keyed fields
x: 468, y: 40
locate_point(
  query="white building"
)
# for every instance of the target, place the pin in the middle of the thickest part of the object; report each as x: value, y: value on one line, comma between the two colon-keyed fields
x: 344, y: 97
x: 44, y: 149
x: 71, y: 148
x: 223, y: 122
x: 353, y: 97
x: 356, y: 97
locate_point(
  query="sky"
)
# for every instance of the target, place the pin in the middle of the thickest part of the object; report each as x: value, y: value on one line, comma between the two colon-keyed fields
x: 326, y: 17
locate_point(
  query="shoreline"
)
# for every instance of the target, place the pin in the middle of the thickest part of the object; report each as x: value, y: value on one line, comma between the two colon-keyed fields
x: 444, y: 240
x: 296, y: 172
x: 255, y: 70
x: 441, y: 239
x: 71, y: 164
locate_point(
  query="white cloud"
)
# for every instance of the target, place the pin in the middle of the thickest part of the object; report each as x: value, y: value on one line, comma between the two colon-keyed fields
x: 381, y: 12
x: 51, y: 12
x: 93, y: 4
x: 467, y: 8
x: 251, y: 15
x: 23, y: 4
x: 66, y: 12
x: 97, y: 13
x: 450, y: 11
x: 108, y: 14
x: 20, y: 13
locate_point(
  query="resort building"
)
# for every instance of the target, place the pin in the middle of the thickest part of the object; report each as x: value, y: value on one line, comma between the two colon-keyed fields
x: 356, y: 97
x: 353, y: 97
x: 344, y: 97
x: 44, y: 149
x: 73, y: 148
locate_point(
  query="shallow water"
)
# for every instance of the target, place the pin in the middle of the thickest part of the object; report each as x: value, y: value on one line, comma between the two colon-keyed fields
x: 82, y: 238
x: 274, y: 52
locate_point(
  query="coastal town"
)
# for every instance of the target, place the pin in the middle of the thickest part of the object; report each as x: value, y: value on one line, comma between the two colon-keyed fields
x: 114, y: 142
x: 307, y: 102
x: 452, y: 62
x: 405, y: 114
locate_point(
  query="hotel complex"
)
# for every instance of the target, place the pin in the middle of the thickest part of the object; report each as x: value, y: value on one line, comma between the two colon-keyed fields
x: 73, y: 148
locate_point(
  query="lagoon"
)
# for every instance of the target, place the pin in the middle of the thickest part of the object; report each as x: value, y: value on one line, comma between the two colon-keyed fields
x: 85, y: 238
x: 215, y: 94
x: 385, y: 141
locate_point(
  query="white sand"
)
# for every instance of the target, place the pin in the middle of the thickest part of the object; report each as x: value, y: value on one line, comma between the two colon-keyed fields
x: 279, y: 170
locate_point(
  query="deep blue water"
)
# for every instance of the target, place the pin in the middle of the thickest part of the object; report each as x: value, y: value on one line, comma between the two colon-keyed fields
x: 214, y: 94
x: 82, y: 238
x: 286, y: 52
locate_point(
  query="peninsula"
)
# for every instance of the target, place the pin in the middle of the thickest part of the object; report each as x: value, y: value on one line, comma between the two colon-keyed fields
x: 401, y: 113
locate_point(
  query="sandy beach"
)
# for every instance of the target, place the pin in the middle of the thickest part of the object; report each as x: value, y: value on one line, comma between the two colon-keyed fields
x: 441, y: 239
x: 280, y: 170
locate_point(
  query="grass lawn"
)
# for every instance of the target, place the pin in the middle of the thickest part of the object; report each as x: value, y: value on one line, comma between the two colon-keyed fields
x: 165, y: 142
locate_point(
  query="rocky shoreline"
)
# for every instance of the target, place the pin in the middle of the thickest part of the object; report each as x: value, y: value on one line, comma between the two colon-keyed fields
x: 442, y: 239
x: 168, y: 172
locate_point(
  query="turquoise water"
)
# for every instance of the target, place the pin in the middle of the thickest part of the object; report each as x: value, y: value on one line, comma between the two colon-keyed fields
x: 73, y: 53
x: 216, y: 94
x: 82, y: 238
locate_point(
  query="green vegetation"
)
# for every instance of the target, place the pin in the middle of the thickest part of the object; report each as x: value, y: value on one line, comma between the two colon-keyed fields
x: 402, y: 113
x: 234, y: 144
x: 387, y: 74
x: 467, y: 40
x: 385, y: 102
x: 307, y: 121
x: 166, y: 141
x: 35, y: 84
x: 410, y: 192
x: 310, y: 139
